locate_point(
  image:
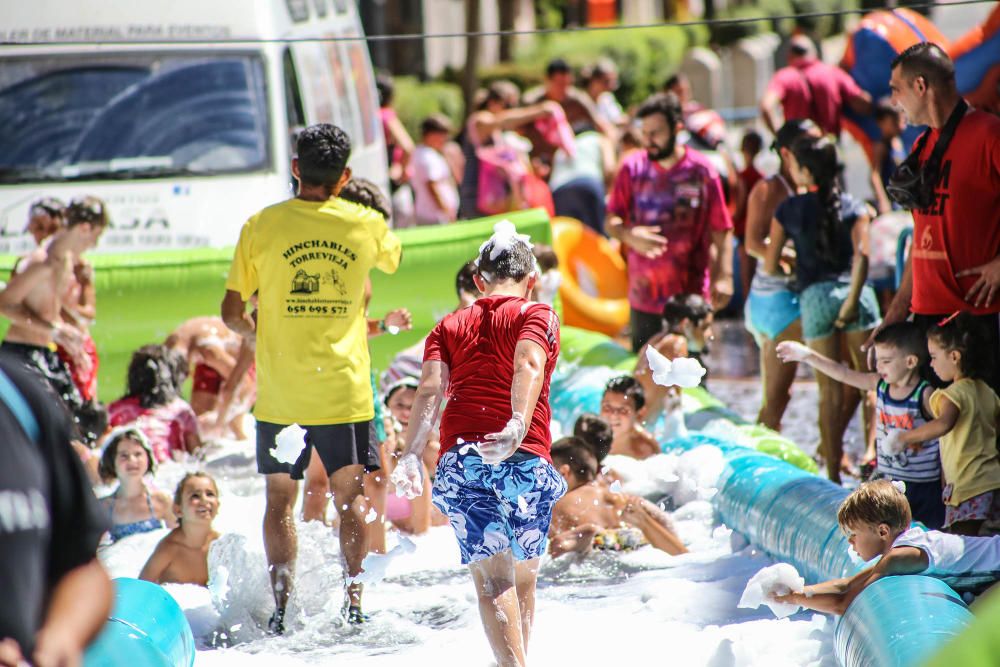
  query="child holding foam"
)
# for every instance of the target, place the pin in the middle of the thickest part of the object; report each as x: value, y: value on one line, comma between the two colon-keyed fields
x: 876, y: 518
x: 623, y: 407
x: 966, y: 415
x: 182, y: 556
x: 591, y: 516
x: 903, y: 404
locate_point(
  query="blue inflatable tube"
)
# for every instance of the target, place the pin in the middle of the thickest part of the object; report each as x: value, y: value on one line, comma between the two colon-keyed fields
x: 147, y: 628
x: 792, y: 516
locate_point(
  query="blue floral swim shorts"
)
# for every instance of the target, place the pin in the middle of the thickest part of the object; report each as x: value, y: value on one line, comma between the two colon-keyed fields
x: 493, y: 508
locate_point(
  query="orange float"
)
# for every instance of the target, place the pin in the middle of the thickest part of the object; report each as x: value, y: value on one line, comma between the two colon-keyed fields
x: 977, y: 63
x: 594, y: 289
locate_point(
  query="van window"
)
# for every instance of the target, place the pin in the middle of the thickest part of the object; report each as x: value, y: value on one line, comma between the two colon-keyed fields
x: 134, y: 115
x: 293, y: 98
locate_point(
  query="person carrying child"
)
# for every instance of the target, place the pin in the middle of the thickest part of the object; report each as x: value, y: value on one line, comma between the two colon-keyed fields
x: 903, y: 403
x: 592, y: 516
x: 623, y: 406
x: 134, y: 507
x: 965, y: 420
x: 182, y: 556
x: 876, y: 518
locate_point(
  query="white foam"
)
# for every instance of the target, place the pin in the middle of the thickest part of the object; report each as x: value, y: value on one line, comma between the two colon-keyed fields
x: 682, y: 372
x: 779, y: 579
x: 289, y: 444
x: 504, y: 238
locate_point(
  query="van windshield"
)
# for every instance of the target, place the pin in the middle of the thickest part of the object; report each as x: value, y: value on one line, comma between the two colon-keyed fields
x: 135, y: 115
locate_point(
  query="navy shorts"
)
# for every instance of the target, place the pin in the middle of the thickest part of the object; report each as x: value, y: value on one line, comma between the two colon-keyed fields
x: 493, y: 508
x: 338, y: 446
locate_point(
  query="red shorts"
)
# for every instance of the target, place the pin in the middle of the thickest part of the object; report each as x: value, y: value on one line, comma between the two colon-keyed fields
x: 206, y: 379
x: 86, y: 383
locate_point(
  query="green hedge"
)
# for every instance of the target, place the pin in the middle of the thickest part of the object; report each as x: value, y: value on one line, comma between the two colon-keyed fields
x: 415, y: 100
x: 645, y: 56
x: 821, y: 27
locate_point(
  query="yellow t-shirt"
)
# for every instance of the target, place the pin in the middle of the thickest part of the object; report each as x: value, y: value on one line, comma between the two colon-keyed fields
x: 308, y: 262
x: 969, y: 451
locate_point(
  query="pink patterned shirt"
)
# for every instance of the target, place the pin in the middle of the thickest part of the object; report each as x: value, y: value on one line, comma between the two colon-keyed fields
x: 166, y: 426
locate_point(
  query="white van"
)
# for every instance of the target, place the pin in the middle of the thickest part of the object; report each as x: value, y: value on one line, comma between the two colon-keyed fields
x: 160, y: 110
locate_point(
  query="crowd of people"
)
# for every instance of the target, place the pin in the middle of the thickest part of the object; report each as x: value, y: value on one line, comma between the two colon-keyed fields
x: 458, y: 429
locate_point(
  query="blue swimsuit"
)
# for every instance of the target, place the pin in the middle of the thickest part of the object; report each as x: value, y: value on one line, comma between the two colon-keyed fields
x: 122, y: 530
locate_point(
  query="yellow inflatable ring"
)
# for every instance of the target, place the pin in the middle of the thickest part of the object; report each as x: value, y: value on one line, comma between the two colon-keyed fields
x: 594, y: 287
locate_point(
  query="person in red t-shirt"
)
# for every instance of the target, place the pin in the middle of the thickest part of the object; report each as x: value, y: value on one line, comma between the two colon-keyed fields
x: 809, y: 88
x: 955, y: 261
x: 495, y: 480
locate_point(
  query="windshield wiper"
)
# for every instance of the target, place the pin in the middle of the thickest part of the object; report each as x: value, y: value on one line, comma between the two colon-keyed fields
x: 136, y: 172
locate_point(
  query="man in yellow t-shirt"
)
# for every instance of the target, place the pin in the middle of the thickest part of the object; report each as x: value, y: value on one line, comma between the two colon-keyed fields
x: 307, y: 259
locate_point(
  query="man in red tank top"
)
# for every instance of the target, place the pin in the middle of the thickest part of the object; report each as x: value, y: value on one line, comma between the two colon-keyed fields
x: 954, y: 263
x: 495, y: 480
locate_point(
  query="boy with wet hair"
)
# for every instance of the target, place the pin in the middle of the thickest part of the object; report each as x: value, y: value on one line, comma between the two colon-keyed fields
x: 876, y: 518
x: 592, y: 516
x: 596, y: 433
x: 623, y: 406
x: 903, y: 403
x: 495, y: 482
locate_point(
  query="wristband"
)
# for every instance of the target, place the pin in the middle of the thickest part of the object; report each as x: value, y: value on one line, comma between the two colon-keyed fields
x: 381, y: 326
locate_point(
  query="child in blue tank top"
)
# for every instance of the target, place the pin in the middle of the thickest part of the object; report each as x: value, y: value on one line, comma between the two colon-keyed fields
x: 903, y: 404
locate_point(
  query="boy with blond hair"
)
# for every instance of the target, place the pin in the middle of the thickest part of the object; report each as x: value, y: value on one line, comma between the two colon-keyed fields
x: 876, y: 519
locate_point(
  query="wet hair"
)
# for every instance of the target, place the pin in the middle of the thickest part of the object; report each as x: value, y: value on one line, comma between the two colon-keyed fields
x: 667, y: 105
x: 819, y: 156
x: 49, y: 206
x: 151, y: 376
x: 364, y: 192
x: 629, y: 387
x: 464, y: 281
x: 385, y: 88
x: 178, y: 367
x: 752, y: 142
x: 545, y: 256
x: 594, y: 432
x: 322, y: 150
x: 512, y: 263
x: 928, y: 60
x: 557, y: 66
x: 86, y: 210
x: 792, y: 130
x: 572, y: 451
x: 436, y: 123
x: 106, y: 468
x: 967, y: 335
x: 179, y: 491
x: 905, y: 337
x: 685, y: 306
x: 90, y: 422
x: 875, y: 503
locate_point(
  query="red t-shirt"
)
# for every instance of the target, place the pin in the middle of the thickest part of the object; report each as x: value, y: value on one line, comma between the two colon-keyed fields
x: 961, y: 229
x: 749, y: 178
x: 814, y: 90
x: 477, y: 344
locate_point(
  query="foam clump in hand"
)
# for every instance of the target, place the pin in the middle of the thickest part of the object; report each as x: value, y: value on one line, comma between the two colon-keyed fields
x: 683, y: 372
x: 289, y: 444
x: 374, y: 566
x: 504, y: 238
x: 779, y: 579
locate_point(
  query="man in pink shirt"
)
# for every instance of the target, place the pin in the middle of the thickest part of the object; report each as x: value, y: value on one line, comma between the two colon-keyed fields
x: 809, y: 88
x: 667, y: 209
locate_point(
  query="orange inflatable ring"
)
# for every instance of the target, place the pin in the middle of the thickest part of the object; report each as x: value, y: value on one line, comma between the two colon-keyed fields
x: 594, y: 289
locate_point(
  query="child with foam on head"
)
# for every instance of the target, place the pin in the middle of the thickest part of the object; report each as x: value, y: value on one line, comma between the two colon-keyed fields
x: 903, y: 404
x: 182, y: 556
x: 134, y: 507
x: 966, y: 417
x: 592, y: 516
x: 876, y: 518
x: 623, y: 406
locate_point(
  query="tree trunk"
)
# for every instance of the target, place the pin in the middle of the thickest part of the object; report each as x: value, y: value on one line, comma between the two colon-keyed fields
x: 469, y: 82
x: 507, y: 9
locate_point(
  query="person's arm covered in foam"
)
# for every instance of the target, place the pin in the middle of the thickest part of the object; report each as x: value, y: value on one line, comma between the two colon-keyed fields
x: 655, y: 525
x: 836, y: 595
x: 408, y: 475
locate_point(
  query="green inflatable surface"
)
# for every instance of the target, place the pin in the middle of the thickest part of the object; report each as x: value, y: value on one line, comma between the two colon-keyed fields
x: 142, y: 297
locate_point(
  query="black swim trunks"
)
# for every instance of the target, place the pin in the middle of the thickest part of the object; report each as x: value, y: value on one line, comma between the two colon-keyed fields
x: 46, y: 362
x: 338, y: 446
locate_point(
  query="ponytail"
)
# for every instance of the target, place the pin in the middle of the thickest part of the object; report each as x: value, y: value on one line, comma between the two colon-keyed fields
x: 819, y: 156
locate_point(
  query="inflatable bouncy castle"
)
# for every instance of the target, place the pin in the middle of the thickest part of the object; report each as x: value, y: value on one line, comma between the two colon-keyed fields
x: 879, y: 38
x: 977, y: 63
